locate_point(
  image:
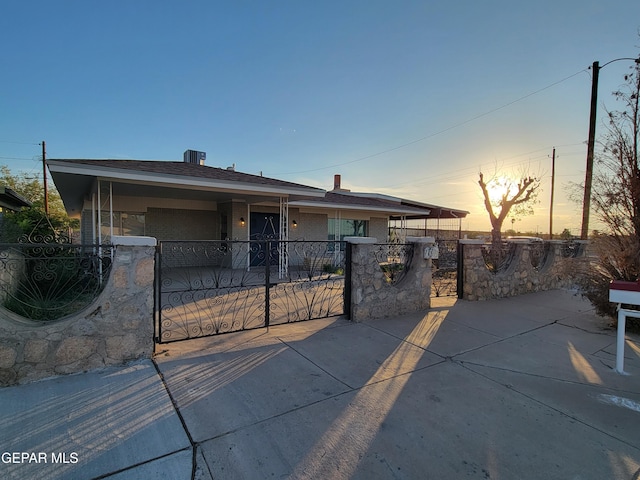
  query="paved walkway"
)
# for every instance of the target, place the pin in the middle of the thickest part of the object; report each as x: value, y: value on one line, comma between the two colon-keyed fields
x: 522, y: 388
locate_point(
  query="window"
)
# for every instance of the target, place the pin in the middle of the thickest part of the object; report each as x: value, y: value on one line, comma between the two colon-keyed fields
x: 124, y: 223
x: 338, y: 229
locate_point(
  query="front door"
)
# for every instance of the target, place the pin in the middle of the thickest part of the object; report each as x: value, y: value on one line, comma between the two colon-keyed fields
x: 264, y: 227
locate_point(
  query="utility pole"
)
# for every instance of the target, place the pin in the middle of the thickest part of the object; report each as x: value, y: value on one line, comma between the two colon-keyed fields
x: 553, y: 171
x: 586, y: 203
x: 44, y: 177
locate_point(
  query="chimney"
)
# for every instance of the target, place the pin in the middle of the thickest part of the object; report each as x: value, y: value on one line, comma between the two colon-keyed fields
x: 336, y: 184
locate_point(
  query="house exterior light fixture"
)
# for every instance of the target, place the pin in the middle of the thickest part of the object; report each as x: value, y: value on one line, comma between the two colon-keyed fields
x: 242, y: 222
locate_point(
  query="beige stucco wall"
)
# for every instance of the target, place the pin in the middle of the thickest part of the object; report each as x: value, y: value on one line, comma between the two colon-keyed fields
x: 379, y: 229
x: 177, y: 224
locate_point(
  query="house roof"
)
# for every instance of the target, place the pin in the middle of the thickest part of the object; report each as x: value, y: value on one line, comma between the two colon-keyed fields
x: 396, y: 207
x: 12, y: 200
x: 181, y: 169
x: 341, y: 200
x: 74, y: 179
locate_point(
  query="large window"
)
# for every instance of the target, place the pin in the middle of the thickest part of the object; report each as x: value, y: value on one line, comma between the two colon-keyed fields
x: 124, y: 223
x: 338, y: 229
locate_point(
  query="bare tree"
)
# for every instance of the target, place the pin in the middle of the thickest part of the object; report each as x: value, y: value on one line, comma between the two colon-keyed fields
x: 616, y: 199
x: 518, y: 195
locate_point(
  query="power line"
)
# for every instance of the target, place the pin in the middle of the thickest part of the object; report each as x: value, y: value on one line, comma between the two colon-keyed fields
x: 16, y: 158
x: 431, y: 135
x: 439, y: 178
x: 19, y: 143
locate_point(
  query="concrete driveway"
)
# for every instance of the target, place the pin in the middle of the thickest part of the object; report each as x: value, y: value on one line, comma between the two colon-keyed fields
x: 521, y: 388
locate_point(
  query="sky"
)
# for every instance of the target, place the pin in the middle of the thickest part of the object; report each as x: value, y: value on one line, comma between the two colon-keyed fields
x: 405, y: 98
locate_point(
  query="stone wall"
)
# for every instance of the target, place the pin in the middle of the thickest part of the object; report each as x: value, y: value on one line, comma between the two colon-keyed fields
x: 116, y: 328
x: 520, y: 275
x: 371, y: 295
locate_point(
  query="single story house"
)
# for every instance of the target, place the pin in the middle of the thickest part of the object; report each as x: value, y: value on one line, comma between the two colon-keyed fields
x: 11, y: 201
x: 191, y: 201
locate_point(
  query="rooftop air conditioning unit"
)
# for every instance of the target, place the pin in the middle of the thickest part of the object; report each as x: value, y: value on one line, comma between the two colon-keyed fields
x: 193, y: 156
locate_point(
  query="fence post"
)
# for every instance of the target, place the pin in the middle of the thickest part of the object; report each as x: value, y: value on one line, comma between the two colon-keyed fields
x: 267, y: 281
x: 350, y: 244
x: 157, y: 297
x: 347, y: 279
x: 460, y: 268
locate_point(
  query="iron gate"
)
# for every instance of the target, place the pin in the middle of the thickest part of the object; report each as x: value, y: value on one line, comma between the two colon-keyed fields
x: 444, y: 277
x: 211, y: 287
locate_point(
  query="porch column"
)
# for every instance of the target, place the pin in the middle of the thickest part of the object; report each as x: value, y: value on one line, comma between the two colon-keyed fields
x: 283, y: 257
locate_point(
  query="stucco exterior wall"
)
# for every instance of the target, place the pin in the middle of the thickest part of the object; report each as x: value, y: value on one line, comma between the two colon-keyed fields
x: 379, y: 229
x: 176, y: 224
x: 311, y: 226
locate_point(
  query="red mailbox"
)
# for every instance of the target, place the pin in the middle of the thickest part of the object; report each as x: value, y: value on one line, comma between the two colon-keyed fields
x: 628, y: 293
x: 624, y: 292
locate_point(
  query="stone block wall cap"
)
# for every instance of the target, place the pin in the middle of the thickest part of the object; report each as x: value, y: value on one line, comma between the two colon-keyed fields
x: 134, y: 241
x: 360, y: 239
x: 421, y: 240
x: 472, y: 241
x: 564, y: 242
x: 522, y: 240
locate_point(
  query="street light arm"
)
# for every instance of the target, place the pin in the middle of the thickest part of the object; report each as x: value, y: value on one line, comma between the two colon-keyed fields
x: 637, y: 60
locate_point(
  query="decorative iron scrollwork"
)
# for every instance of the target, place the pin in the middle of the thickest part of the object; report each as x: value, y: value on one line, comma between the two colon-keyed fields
x: 394, y: 260
x: 212, y: 287
x: 538, y: 254
x: 444, y: 273
x: 48, y: 281
x: 498, y: 257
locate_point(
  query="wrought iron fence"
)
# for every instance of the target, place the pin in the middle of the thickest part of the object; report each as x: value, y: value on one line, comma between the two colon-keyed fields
x: 394, y: 260
x: 498, y: 256
x: 572, y: 249
x: 539, y: 254
x: 212, y: 287
x: 48, y: 281
x: 444, y: 274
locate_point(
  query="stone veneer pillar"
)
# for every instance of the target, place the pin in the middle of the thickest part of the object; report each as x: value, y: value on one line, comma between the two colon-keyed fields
x: 368, y: 295
x: 116, y: 328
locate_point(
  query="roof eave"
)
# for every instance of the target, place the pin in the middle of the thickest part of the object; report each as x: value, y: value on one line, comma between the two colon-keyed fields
x: 342, y: 206
x: 109, y: 173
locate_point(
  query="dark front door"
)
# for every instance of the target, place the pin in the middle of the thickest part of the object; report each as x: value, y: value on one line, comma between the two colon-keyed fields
x: 264, y: 227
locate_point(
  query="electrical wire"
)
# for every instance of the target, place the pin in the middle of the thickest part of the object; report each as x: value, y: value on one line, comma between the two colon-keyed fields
x: 20, y: 143
x: 439, y: 132
x: 460, y: 172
